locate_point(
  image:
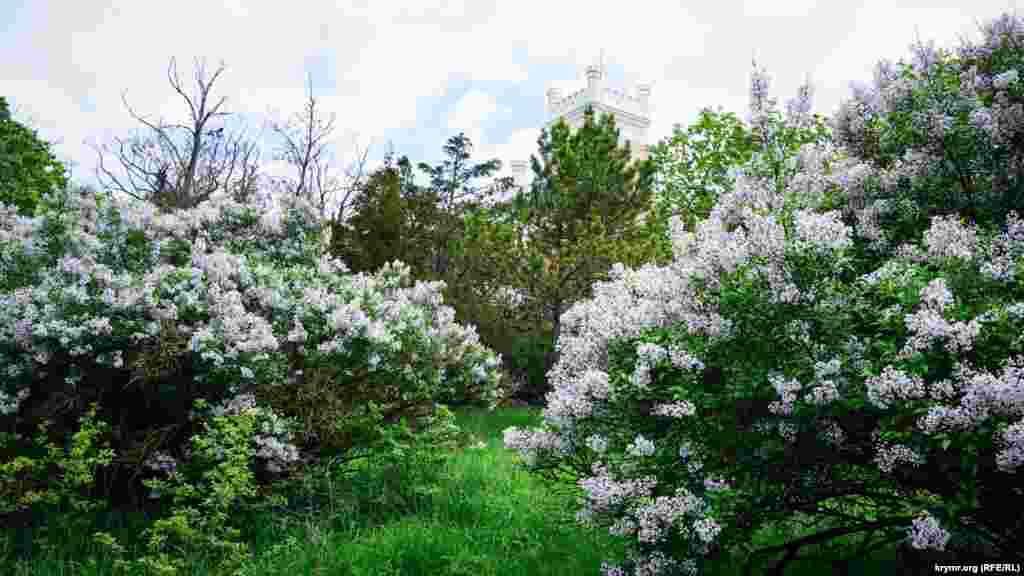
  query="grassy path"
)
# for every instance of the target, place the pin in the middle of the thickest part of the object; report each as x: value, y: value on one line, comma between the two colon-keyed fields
x: 486, y: 518
x: 483, y: 515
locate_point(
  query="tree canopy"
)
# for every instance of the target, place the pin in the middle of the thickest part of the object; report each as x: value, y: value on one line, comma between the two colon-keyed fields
x: 581, y: 215
x: 28, y: 169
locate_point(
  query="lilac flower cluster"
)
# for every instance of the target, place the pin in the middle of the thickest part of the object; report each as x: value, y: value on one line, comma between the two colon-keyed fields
x: 604, y: 493
x: 611, y: 570
x: 1012, y: 456
x: 893, y: 385
x: 822, y: 231
x: 893, y: 272
x: 947, y: 238
x: 926, y: 532
x: 706, y: 529
x: 682, y: 359
x: 250, y: 307
x: 640, y: 447
x: 985, y: 396
x: 888, y: 456
x: 675, y: 409
x: 597, y: 443
x: 936, y: 295
x: 1007, y: 250
x: 528, y: 444
x: 927, y: 326
x: 160, y: 461
x: 787, y: 391
x: 716, y: 484
x: 1005, y: 80
x: 593, y: 387
x: 656, y: 518
x: 743, y: 234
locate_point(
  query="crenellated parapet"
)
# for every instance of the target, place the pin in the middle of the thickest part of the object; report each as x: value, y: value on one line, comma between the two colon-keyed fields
x: 636, y: 103
x: 631, y: 111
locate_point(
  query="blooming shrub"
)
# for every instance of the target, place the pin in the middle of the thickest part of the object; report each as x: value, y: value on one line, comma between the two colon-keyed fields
x: 145, y: 312
x: 812, y: 351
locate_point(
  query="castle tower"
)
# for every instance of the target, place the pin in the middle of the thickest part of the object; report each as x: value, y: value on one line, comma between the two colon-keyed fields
x: 631, y: 110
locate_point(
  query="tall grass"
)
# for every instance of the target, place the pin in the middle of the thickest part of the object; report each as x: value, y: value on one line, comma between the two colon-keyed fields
x: 480, y: 514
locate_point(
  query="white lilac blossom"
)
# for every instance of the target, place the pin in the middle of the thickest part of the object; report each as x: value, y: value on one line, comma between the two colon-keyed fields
x: 715, y: 484
x: 1006, y: 79
x: 983, y: 395
x: 928, y: 326
x: 531, y: 444
x: 1006, y: 251
x: 597, y: 443
x: 822, y: 231
x: 675, y: 409
x: 787, y: 391
x: 650, y: 354
x: 825, y: 392
x: 948, y: 238
x: 888, y: 456
x: 237, y: 291
x: 641, y: 377
x: 603, y: 492
x: 742, y: 235
x: 707, y: 529
x: 641, y: 447
x: 654, y: 520
x: 892, y: 271
x: 925, y: 532
x: 936, y: 295
x: 894, y: 385
x: 683, y: 360
x: 611, y: 570
x: 1011, y: 457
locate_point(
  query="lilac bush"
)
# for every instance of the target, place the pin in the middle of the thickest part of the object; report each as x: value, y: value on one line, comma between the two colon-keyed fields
x: 813, y: 349
x: 230, y: 305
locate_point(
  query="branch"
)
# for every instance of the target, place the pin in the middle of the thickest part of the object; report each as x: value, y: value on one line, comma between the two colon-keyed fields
x: 161, y: 132
x: 791, y: 548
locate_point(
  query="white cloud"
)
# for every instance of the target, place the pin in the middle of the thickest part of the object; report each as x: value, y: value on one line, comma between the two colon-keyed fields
x: 788, y: 9
x: 388, y: 64
x: 471, y: 114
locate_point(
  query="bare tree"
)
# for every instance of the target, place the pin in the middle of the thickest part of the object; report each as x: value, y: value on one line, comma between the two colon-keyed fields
x: 178, y: 166
x: 306, y: 147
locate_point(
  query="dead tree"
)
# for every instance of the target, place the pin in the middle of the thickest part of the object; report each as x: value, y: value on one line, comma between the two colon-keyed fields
x: 305, y: 146
x: 178, y: 166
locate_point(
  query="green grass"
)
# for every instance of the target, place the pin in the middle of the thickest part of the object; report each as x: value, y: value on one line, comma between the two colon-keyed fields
x: 481, y: 515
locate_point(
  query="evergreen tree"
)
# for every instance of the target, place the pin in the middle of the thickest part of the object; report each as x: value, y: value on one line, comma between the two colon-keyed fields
x: 388, y: 222
x: 580, y: 216
x: 451, y: 184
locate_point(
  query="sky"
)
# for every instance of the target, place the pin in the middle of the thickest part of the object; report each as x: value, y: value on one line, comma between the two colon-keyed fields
x: 414, y: 76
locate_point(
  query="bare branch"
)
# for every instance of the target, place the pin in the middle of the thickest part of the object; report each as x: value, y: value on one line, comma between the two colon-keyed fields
x: 177, y: 165
x: 160, y: 131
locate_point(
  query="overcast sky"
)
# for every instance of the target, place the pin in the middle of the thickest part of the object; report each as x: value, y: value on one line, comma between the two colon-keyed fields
x: 415, y: 76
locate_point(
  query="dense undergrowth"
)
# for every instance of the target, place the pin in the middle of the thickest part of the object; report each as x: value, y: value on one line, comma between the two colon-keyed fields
x: 478, y: 514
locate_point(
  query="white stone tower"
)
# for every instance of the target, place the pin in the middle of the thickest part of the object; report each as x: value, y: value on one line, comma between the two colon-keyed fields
x: 631, y: 112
